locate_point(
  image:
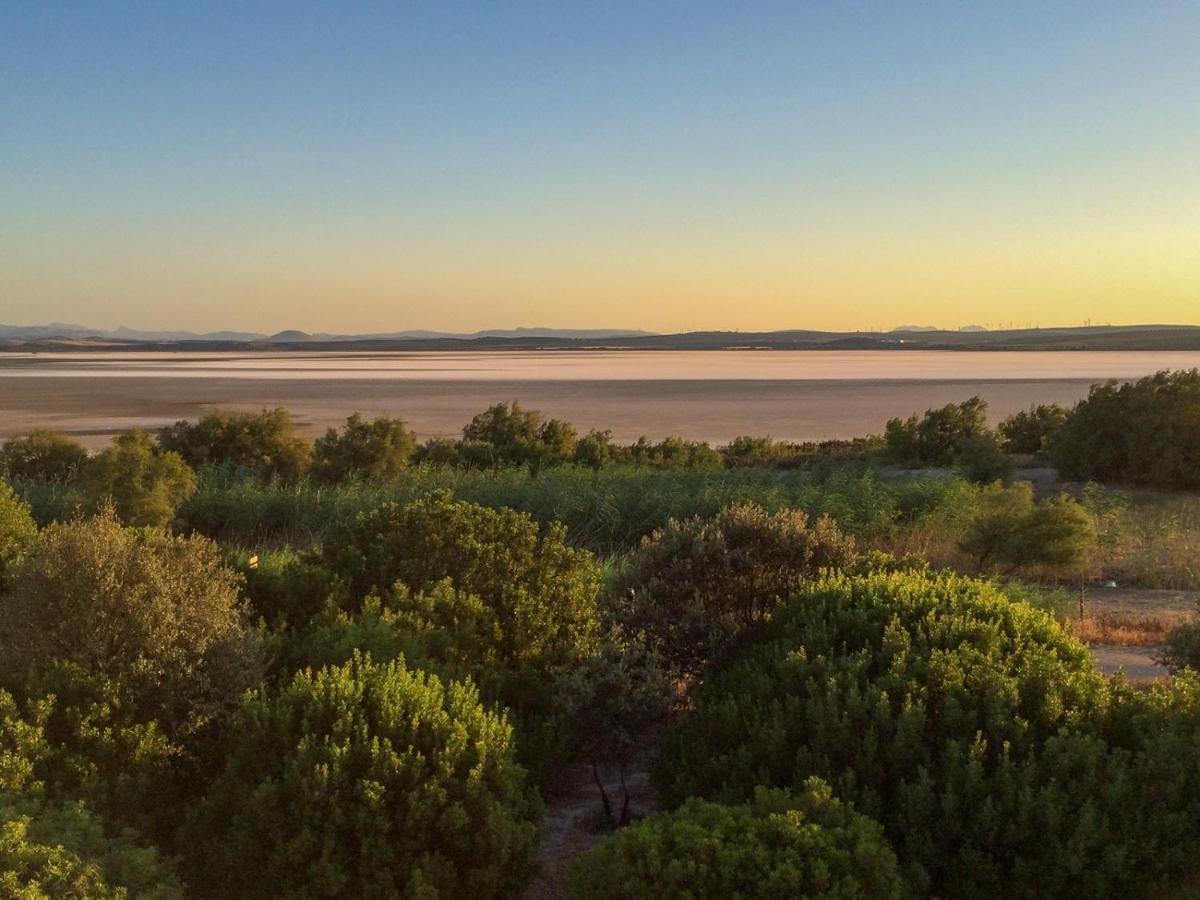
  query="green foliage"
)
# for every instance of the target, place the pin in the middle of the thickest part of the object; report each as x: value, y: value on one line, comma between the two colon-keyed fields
x: 541, y: 592
x: 607, y: 510
x: 1141, y: 432
x: 61, y: 849
x: 939, y: 437
x: 607, y: 705
x: 380, y: 448
x: 595, y: 449
x: 158, y: 614
x: 778, y: 845
x: 144, y: 486
x: 1031, y: 430
x: 17, y: 530
x: 695, y: 586
x: 981, y: 459
x: 32, y: 870
x: 370, y: 781
x: 1182, y: 648
x: 284, y: 587
x: 673, y: 453
x: 265, y: 442
x: 506, y: 434
x: 973, y: 728
x: 1013, y: 532
x: 42, y: 455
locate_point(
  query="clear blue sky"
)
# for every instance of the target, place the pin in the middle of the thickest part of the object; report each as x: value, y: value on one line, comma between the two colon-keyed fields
x: 353, y: 167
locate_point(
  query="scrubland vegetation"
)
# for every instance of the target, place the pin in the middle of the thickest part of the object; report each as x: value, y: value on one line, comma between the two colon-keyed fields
x: 237, y: 663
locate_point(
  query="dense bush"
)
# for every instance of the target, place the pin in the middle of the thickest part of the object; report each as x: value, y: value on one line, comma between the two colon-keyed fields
x: 673, y: 453
x: 369, y: 781
x: 539, y: 592
x: 695, y: 586
x: 143, y: 485
x: 156, y: 613
x: 804, y: 846
x: 1031, y: 430
x: 973, y: 728
x: 939, y: 436
x: 61, y: 849
x: 265, y: 442
x: 982, y: 460
x: 380, y: 448
x: 606, y: 706
x: 1142, y: 432
x: 17, y: 530
x: 1012, y: 532
x: 506, y: 434
x: 42, y: 455
x: 284, y: 587
x: 1182, y: 647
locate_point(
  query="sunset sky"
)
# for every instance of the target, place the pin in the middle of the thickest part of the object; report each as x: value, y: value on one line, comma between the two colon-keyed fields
x: 668, y: 166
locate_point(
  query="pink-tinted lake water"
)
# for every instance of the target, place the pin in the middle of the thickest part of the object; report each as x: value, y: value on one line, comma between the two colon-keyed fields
x: 711, y: 395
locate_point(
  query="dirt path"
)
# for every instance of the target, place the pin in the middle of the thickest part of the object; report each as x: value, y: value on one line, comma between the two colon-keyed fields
x: 575, y: 820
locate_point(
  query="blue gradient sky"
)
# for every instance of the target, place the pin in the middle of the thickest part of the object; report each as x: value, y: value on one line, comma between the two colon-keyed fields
x: 693, y: 165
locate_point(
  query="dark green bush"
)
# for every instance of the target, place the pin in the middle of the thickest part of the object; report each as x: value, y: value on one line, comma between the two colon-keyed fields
x: 380, y: 448
x: 42, y: 455
x: 1181, y: 649
x: 695, y: 586
x: 370, y: 781
x: 265, y: 442
x: 1031, y: 430
x: 1142, y: 432
x: 939, y: 437
x: 982, y: 460
x: 1012, y: 532
x: 973, y: 728
x: 143, y: 485
x: 541, y: 592
x: 804, y: 846
x: 506, y: 434
x: 284, y: 587
x: 673, y: 453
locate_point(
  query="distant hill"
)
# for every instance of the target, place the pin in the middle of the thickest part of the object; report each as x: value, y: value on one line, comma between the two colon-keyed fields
x: 64, y: 337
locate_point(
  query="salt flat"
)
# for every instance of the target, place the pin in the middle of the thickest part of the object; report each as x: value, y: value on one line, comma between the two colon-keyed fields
x: 710, y: 395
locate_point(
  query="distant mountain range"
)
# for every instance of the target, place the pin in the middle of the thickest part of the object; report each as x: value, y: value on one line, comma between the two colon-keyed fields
x: 67, y: 331
x: 65, y: 337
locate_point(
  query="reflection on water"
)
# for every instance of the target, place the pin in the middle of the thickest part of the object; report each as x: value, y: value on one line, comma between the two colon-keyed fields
x: 609, y: 365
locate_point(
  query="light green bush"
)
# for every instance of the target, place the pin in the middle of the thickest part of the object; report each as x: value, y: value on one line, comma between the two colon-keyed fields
x: 380, y: 448
x: 266, y: 442
x: 803, y: 846
x: 999, y: 762
x: 144, y: 486
x: 42, y: 455
x: 367, y: 780
x: 17, y: 530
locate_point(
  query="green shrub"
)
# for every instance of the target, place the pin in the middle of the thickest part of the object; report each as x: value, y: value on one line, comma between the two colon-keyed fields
x: 144, y: 486
x: 284, y: 587
x: 541, y: 593
x: 973, y: 728
x: 695, y: 586
x: 1182, y: 648
x: 17, y: 530
x: 158, y: 614
x: 42, y: 455
x: 265, y: 442
x: 380, y: 448
x: 506, y: 434
x: 939, y: 437
x: 437, y: 451
x: 1142, y: 432
x: 61, y: 849
x: 803, y: 846
x: 606, y: 706
x: 595, y: 450
x: 369, y: 781
x: 31, y: 870
x: 1013, y: 532
x: 981, y: 459
x: 673, y: 453
x: 1031, y: 430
